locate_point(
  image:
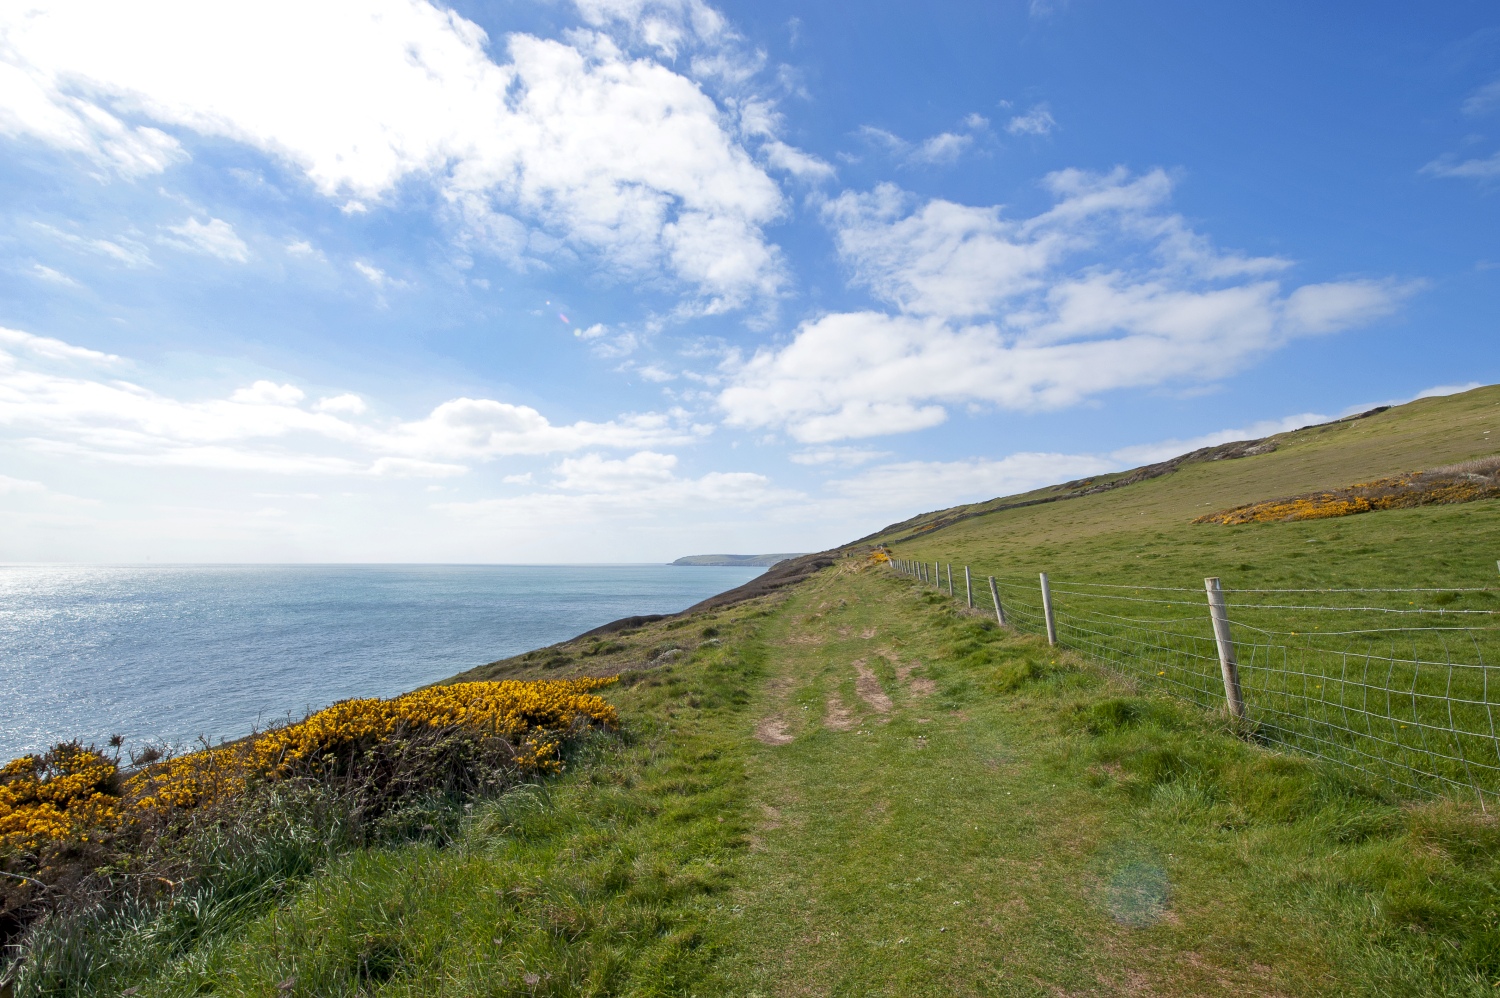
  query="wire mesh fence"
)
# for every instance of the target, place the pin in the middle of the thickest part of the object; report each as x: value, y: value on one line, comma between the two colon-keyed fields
x: 1402, y: 684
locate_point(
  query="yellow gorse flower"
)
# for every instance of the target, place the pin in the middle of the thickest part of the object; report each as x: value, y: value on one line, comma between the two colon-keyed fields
x: 72, y: 793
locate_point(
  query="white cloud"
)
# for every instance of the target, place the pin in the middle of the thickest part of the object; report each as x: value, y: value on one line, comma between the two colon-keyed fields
x: 1103, y: 291
x: 268, y: 393
x: 1483, y: 99
x: 26, y: 487
x: 669, y: 27
x: 591, y: 490
x: 940, y: 484
x: 51, y: 276
x: 1469, y: 169
x: 303, y: 249
x: 608, y: 343
x: 408, y: 467
x: 375, y: 275
x: 942, y: 148
x: 13, y: 486
x: 215, y: 237
x: 612, y: 154
x: 593, y: 473
x: 653, y: 372
x: 945, y: 147
x: 47, y: 348
x: 478, y: 429
x: 348, y: 403
x: 796, y: 162
x: 1037, y: 121
x: 843, y: 457
x: 127, y: 251
x: 266, y: 426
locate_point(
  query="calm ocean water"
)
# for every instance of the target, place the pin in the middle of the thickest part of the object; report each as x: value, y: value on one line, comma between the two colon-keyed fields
x: 169, y: 654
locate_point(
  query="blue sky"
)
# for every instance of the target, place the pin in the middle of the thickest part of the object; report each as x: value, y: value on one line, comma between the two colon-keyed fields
x: 620, y: 280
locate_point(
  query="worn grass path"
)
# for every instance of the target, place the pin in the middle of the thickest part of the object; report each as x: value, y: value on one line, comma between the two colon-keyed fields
x: 856, y: 788
x: 941, y: 812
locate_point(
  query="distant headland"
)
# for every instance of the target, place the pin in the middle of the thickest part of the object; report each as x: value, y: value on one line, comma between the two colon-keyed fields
x: 736, y: 560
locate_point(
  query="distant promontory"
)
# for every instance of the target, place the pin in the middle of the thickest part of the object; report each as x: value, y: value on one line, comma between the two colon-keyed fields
x: 736, y: 560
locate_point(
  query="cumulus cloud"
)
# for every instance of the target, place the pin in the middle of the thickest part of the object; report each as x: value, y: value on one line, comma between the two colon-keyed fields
x: 348, y: 403
x: 1037, y: 121
x: 605, y: 151
x: 939, y: 149
x: 1105, y: 290
x: 592, y: 489
x: 267, y: 426
x: 215, y: 237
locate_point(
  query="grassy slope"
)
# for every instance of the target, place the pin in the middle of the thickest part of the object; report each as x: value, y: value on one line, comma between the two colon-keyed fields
x: 1011, y: 822
x: 982, y: 817
x: 1143, y: 532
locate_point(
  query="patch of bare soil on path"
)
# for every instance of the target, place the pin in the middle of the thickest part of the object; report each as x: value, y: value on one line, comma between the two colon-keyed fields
x: 839, y: 717
x: 867, y: 633
x: 773, y: 731
x: 868, y: 688
x: 919, y: 686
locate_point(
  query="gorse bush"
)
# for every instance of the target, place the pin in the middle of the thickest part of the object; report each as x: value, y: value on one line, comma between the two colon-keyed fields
x: 81, y: 838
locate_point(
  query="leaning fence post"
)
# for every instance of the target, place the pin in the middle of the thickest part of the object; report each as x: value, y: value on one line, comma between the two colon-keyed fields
x: 968, y: 587
x: 950, y: 580
x: 1227, y: 663
x: 995, y: 594
x: 1047, y: 610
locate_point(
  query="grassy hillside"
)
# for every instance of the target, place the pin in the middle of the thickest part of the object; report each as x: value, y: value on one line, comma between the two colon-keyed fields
x: 855, y: 786
x: 1145, y: 531
x: 858, y: 788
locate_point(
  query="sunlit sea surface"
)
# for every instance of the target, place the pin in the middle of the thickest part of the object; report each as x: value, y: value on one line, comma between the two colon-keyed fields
x: 171, y: 654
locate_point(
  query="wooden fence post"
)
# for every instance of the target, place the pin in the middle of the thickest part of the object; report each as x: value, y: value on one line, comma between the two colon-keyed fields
x: 1047, y: 611
x: 950, y: 580
x: 995, y: 595
x: 1227, y: 663
x: 968, y: 587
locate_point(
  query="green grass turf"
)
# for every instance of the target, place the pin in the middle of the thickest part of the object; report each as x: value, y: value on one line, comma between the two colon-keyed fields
x: 856, y: 788
x: 870, y: 792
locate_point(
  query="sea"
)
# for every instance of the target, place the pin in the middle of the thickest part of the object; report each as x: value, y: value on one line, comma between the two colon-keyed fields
x: 179, y: 655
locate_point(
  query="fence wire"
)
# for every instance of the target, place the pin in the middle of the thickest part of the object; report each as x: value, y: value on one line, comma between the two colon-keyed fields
x: 1401, y: 684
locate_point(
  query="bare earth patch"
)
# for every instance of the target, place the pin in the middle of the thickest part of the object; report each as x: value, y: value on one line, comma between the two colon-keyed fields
x: 839, y: 717
x: 869, y: 689
x: 920, y: 687
x: 867, y: 633
x: 772, y: 731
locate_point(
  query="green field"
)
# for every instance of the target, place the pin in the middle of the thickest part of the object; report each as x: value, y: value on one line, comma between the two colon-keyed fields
x: 859, y: 787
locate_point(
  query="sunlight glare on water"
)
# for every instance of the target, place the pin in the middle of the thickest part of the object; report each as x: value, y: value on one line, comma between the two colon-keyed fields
x: 174, y: 653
